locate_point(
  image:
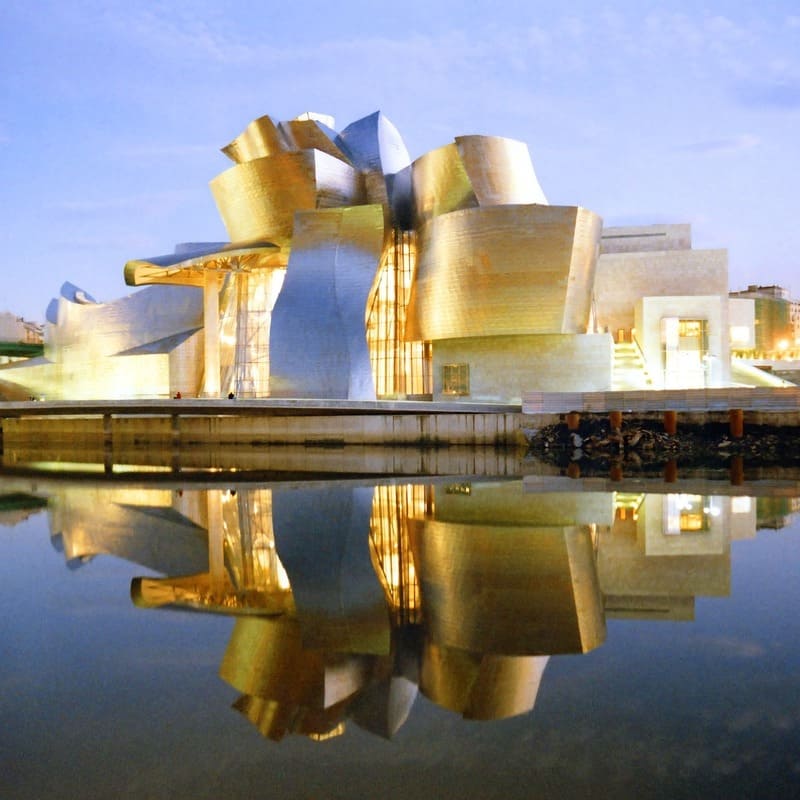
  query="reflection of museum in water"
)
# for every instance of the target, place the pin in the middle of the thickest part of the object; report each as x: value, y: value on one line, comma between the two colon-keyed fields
x: 351, y: 598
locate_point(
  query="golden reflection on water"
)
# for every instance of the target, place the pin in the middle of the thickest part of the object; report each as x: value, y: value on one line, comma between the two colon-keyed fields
x: 352, y: 598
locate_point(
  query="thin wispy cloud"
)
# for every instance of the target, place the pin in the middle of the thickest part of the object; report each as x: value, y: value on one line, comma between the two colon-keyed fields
x: 725, y: 146
x: 183, y: 34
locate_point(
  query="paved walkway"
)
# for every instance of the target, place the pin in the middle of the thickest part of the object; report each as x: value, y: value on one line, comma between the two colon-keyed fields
x: 746, y: 399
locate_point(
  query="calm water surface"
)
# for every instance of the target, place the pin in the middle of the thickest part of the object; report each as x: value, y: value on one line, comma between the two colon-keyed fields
x: 465, y: 638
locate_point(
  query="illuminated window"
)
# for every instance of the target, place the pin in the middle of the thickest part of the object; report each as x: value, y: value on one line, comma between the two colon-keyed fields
x: 687, y: 513
x: 692, y: 328
x: 455, y: 379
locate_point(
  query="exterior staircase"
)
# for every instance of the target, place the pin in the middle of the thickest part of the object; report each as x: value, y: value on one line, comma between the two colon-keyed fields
x: 629, y: 371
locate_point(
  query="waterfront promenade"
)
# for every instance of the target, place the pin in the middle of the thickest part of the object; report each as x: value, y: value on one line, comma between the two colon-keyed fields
x: 765, y: 399
x: 188, y: 422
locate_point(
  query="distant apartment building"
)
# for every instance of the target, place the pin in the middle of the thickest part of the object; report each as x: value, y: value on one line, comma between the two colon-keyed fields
x: 773, y: 317
x: 18, y: 330
x: 794, y: 315
x: 20, y: 339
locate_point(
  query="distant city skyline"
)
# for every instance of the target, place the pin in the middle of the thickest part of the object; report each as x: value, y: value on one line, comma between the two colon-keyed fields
x: 112, y: 116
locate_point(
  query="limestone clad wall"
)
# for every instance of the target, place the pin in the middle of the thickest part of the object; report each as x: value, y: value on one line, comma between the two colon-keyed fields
x: 641, y: 238
x: 621, y: 279
x: 501, y: 368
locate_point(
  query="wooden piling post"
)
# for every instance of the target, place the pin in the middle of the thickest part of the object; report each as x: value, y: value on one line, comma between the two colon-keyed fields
x: 737, y: 471
x: 615, y: 420
x: 736, y: 419
x: 671, y: 422
x: 573, y: 420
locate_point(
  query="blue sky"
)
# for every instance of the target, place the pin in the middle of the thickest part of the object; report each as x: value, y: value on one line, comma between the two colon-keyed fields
x: 112, y: 114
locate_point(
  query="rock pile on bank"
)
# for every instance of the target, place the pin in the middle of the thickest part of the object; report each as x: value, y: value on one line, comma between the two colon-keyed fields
x: 644, y: 441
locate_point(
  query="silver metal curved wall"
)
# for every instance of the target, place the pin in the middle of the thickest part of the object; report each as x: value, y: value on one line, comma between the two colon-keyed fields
x: 318, y: 344
x: 504, y: 270
x: 375, y: 146
x: 154, y: 314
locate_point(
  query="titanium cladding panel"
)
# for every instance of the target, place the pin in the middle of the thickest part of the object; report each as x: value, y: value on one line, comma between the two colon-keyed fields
x: 474, y: 171
x: 504, y: 270
x: 500, y: 170
x: 318, y: 343
x: 377, y: 149
x: 257, y: 199
x: 440, y: 184
x: 375, y: 145
x: 260, y: 138
x: 309, y: 134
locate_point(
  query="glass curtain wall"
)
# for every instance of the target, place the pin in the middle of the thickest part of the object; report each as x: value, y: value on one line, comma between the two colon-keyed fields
x: 399, y: 368
x: 246, y: 304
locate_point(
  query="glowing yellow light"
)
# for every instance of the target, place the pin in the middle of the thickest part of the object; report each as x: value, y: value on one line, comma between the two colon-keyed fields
x: 783, y: 344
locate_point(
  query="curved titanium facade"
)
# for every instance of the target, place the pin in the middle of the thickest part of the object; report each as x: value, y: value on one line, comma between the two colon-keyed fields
x: 260, y: 138
x: 318, y: 346
x: 440, y: 184
x: 377, y: 149
x: 504, y: 270
x: 500, y: 170
x: 142, y: 345
x: 258, y: 199
x: 474, y: 171
x: 310, y: 134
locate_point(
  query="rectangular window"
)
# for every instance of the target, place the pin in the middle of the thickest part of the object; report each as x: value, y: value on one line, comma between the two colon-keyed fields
x: 455, y: 379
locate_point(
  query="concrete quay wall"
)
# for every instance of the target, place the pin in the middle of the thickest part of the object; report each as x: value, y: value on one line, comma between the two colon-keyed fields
x: 496, y: 428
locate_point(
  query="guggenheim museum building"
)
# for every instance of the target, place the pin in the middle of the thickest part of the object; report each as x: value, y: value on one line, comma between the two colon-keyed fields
x: 352, y: 272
